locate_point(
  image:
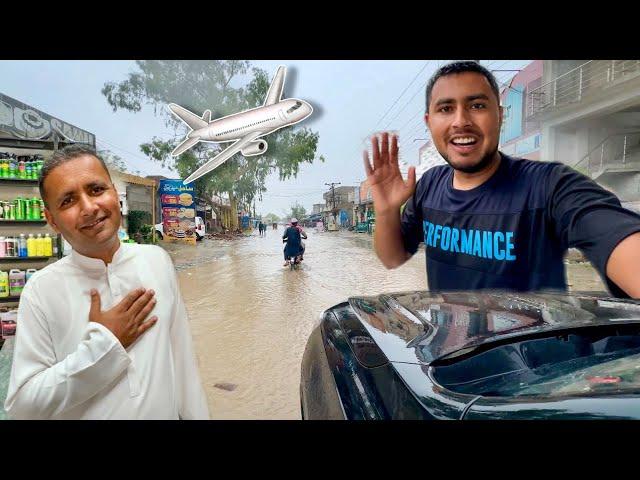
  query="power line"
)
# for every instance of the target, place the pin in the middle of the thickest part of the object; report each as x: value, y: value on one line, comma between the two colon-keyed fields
x: 109, y: 149
x: 113, y: 145
x: 403, y: 92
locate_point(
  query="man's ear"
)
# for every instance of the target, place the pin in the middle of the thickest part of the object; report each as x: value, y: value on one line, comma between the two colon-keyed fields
x: 49, y: 217
x: 501, y: 113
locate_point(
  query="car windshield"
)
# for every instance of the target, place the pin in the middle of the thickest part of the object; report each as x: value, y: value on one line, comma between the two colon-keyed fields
x: 620, y: 374
x: 581, y: 361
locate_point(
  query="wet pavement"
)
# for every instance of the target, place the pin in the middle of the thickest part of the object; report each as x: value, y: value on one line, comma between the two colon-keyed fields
x: 251, y: 317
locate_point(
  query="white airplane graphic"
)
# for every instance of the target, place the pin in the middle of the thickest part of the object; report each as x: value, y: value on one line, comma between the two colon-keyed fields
x: 243, y: 128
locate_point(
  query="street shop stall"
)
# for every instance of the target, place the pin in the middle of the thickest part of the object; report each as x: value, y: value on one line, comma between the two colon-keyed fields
x: 28, y: 137
x: 178, y: 211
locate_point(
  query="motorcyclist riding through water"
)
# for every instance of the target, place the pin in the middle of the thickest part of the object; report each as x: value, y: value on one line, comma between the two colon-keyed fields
x: 293, y: 237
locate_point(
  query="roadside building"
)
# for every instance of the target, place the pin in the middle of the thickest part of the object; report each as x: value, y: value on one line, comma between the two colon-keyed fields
x: 520, y: 135
x: 137, y: 198
x: 589, y: 116
x: 339, y: 205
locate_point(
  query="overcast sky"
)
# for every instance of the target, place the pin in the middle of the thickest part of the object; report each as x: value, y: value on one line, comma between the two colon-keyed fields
x: 352, y: 100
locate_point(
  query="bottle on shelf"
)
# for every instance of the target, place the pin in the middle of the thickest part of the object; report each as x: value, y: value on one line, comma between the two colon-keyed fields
x: 13, y: 167
x: 31, y: 246
x: 3, y: 247
x: 48, y: 244
x: 22, y: 172
x: 22, y: 246
x: 35, y: 209
x: 18, y: 209
x: 40, y: 246
x: 10, y: 247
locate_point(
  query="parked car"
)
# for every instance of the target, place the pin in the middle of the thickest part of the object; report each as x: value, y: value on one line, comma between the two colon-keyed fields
x: 474, y: 355
x: 198, y: 227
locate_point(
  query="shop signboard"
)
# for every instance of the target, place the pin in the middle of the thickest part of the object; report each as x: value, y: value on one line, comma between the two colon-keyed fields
x: 178, y: 211
x: 28, y: 123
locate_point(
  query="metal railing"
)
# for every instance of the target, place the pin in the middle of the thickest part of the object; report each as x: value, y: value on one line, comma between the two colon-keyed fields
x: 572, y: 86
x: 621, y: 150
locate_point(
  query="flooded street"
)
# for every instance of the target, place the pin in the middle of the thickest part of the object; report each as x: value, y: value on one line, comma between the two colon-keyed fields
x: 251, y: 317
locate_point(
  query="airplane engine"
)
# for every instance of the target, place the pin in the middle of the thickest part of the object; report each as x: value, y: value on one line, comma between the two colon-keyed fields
x: 255, y: 148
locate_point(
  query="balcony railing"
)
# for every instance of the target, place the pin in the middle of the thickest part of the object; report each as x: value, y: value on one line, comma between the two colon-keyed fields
x: 571, y: 87
x: 619, y: 151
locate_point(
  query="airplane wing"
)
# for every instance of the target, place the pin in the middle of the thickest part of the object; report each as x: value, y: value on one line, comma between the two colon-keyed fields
x: 222, y: 157
x: 191, y: 119
x: 277, y: 85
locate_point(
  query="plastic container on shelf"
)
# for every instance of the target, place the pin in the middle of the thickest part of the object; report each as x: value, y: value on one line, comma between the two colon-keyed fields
x: 4, y: 284
x: 17, y: 280
x: 29, y: 274
x: 3, y: 247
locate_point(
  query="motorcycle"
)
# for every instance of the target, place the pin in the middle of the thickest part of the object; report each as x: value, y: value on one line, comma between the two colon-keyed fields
x: 294, y: 261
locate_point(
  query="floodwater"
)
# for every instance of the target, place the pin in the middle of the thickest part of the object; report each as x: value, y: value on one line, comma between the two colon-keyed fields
x: 251, y: 317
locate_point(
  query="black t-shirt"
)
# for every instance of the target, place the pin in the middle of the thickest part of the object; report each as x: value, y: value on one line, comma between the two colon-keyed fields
x: 512, y: 231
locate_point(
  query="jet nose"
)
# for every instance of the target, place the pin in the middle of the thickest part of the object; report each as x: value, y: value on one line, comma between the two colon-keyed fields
x: 307, y: 109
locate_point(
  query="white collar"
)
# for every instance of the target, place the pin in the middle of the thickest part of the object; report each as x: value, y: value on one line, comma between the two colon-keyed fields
x: 91, y: 263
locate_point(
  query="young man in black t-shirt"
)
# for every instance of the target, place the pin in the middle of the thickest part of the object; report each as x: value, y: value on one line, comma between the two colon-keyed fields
x: 489, y: 220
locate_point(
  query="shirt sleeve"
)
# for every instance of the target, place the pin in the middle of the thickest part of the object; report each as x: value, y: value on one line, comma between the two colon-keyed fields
x: 590, y: 218
x: 192, y: 401
x: 411, y: 219
x: 41, y: 387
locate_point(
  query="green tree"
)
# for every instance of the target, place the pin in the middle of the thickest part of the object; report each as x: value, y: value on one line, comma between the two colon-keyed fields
x: 113, y: 161
x: 221, y: 85
x: 297, y: 211
x: 271, y: 218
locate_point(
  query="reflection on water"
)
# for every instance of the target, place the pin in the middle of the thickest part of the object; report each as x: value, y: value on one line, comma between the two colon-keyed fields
x: 251, y: 317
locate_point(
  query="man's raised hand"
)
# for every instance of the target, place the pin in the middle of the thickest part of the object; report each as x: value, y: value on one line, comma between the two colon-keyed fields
x: 388, y: 188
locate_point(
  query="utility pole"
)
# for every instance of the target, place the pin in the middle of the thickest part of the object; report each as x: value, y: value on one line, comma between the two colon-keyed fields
x: 333, y: 198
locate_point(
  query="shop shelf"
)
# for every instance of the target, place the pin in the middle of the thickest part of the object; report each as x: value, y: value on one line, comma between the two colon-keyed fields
x: 24, y: 259
x: 35, y: 222
x: 18, y: 181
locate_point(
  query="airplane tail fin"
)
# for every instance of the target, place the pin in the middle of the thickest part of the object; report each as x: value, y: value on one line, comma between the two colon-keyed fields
x: 274, y: 95
x: 206, y: 116
x: 191, y: 119
x: 184, y: 146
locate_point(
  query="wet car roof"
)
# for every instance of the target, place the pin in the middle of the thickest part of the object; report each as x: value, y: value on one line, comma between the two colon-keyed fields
x: 422, y: 326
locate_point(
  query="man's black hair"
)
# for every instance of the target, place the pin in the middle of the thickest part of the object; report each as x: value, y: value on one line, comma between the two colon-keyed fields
x: 462, y: 67
x: 62, y: 156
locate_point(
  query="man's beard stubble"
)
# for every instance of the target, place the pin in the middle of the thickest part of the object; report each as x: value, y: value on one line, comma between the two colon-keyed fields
x: 484, y: 162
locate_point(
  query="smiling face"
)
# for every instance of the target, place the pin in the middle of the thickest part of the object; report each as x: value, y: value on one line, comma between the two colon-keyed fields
x: 464, y: 118
x: 82, y: 204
